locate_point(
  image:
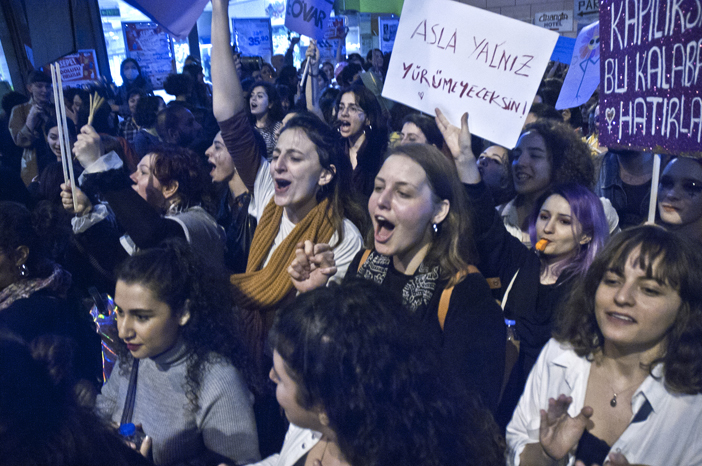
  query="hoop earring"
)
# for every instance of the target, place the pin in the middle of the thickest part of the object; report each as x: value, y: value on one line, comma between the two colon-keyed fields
x: 23, y: 270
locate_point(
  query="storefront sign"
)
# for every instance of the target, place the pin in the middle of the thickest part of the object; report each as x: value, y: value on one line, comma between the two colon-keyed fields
x: 253, y: 37
x: 651, y: 90
x: 150, y: 45
x: 387, y: 30
x: 335, y: 28
x: 586, y: 8
x: 79, y: 68
x: 463, y: 59
x: 307, y: 17
x: 561, y: 20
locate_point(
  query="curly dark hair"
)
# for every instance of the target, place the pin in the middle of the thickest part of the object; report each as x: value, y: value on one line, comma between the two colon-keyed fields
x: 358, y: 356
x: 275, y: 112
x: 178, y: 84
x: 664, y: 257
x: 40, y: 418
x: 570, y: 156
x: 21, y: 227
x: 177, y: 277
x: 146, y: 111
x: 176, y: 164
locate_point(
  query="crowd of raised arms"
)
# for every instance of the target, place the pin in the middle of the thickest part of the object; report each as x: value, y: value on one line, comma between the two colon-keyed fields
x: 302, y: 273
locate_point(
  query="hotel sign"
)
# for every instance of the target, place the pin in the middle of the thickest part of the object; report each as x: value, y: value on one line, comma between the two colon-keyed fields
x: 561, y: 21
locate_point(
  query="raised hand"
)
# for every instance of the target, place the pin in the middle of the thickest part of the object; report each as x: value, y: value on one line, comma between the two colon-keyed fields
x: 82, y: 201
x: 559, y: 432
x: 88, y: 146
x: 312, y: 267
x: 312, y: 54
x: 33, y: 117
x: 458, y: 141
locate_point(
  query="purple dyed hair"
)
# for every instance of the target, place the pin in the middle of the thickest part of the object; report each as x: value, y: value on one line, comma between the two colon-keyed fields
x: 587, y: 208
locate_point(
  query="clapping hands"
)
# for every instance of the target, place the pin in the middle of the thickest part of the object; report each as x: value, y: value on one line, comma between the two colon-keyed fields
x: 312, y: 267
x: 559, y: 432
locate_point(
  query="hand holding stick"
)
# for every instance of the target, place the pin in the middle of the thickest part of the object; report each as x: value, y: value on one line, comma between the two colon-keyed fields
x: 64, y: 141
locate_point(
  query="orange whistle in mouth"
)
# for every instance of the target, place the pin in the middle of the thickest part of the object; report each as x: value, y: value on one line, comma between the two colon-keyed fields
x: 541, y: 245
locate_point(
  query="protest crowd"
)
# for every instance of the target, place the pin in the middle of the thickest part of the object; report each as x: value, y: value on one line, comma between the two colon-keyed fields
x: 283, y: 267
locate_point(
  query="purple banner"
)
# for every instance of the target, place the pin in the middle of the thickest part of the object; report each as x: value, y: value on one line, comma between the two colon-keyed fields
x: 651, y: 75
x: 307, y: 17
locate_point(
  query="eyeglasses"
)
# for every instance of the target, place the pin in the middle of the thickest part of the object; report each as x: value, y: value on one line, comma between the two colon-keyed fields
x: 690, y: 187
x: 352, y: 109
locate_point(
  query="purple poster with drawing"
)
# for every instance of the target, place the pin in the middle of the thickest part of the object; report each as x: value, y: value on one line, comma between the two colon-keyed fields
x: 651, y: 75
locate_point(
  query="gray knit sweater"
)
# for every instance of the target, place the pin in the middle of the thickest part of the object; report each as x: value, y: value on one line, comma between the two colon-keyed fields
x: 224, y: 424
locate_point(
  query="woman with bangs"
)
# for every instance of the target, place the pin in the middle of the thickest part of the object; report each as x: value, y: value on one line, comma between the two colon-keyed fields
x: 300, y: 195
x: 361, y: 123
x: 567, y: 220
x: 621, y: 381
x: 421, y: 256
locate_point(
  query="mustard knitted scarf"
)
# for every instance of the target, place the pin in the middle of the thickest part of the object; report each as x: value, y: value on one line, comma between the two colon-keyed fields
x: 260, y: 290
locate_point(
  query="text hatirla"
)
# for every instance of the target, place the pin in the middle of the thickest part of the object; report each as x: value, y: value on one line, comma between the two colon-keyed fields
x: 436, y: 36
x: 308, y: 12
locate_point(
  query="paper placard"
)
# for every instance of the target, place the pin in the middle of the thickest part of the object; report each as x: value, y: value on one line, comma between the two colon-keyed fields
x: 150, y: 45
x: 460, y: 58
x: 79, y: 68
x: 308, y: 17
x: 650, y: 95
x: 253, y: 37
x: 584, y: 72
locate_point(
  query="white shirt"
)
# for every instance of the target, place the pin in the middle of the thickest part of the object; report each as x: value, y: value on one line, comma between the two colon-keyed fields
x: 670, y: 435
x: 298, y: 442
x: 264, y: 189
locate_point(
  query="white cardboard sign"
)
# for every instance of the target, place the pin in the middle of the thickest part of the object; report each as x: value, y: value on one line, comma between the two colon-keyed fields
x: 463, y: 59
